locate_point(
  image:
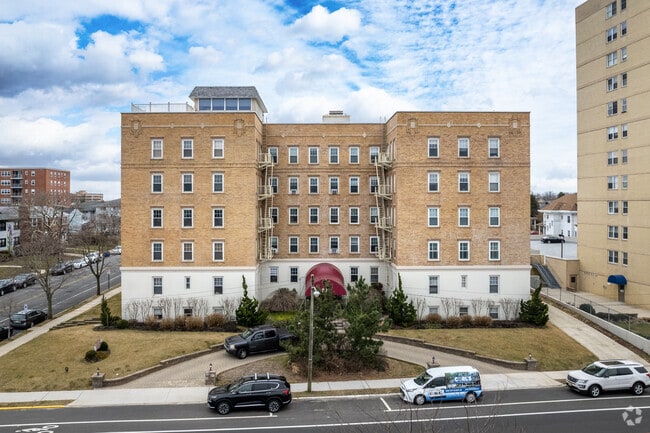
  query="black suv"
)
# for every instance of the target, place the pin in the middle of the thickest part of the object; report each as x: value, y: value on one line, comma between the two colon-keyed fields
x: 265, y: 390
x: 27, y: 318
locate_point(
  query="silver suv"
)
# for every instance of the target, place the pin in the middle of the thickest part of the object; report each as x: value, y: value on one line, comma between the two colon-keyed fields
x: 609, y: 375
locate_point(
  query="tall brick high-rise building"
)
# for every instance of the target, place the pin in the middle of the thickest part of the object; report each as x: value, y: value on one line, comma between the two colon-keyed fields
x: 212, y: 193
x: 22, y: 184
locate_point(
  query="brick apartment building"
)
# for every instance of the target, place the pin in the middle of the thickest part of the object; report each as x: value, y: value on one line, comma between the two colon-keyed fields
x: 212, y: 193
x: 17, y: 184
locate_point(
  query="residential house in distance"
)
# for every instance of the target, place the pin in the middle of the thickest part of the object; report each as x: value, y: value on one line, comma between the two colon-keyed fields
x: 17, y: 184
x: 9, y: 228
x: 613, y: 90
x: 560, y: 217
x: 82, y: 196
x: 212, y: 193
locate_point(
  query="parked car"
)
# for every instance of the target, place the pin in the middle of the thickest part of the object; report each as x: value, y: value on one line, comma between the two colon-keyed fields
x: 117, y: 250
x: 552, y: 239
x: 443, y: 383
x: 4, y: 333
x: 258, y: 339
x: 264, y: 390
x: 93, y: 257
x: 27, y: 318
x: 24, y: 280
x: 615, y: 374
x: 61, y: 268
x: 79, y: 263
x: 7, y: 285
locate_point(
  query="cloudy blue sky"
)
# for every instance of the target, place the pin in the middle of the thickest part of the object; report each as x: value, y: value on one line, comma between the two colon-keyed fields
x: 69, y: 67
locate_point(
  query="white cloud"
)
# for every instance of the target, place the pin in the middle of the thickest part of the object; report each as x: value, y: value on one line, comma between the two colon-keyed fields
x: 320, y: 24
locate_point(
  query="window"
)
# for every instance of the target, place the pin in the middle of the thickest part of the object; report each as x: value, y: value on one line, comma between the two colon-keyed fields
x: 433, y: 217
x: 313, y: 245
x: 188, y: 251
x: 434, y: 147
x: 624, y: 258
x: 217, y: 147
x: 354, y: 215
x: 612, y: 83
x: 612, y: 182
x: 624, y: 130
x: 612, y: 108
x: 218, y: 251
x: 610, y: 10
x: 463, y: 311
x: 612, y: 59
x: 334, y: 215
x: 293, y: 185
x: 374, y: 154
x: 374, y: 274
x: 354, y: 273
x: 157, y: 285
x: 612, y: 132
x: 294, y: 243
x: 624, y: 233
x: 611, y: 33
x: 374, y: 215
x: 334, y: 185
x: 273, y: 152
x: 217, y: 217
x: 624, y: 207
x: 624, y: 156
x: 156, y: 183
x: 463, y: 147
x: 624, y: 28
x: 334, y: 155
x: 624, y: 105
x: 156, y: 148
x: 495, y: 250
x: 293, y: 155
x: 188, y: 182
x: 273, y: 214
x: 156, y: 251
x: 354, y: 185
x: 494, y: 284
x: 494, y: 147
x: 354, y: 155
x: 156, y: 217
x: 293, y: 274
x: 624, y: 79
x: 188, y: 148
x: 434, y: 181
x: 433, y: 250
x: 463, y: 250
x: 313, y: 155
x: 494, y: 217
x: 612, y: 232
x: 463, y: 281
x: 273, y: 274
x: 273, y: 184
x: 463, y: 182
x: 612, y: 207
x: 313, y: 185
x: 217, y: 182
x: 158, y: 313
x: 612, y: 257
x: 374, y: 184
x: 334, y: 244
x: 294, y: 213
x: 374, y: 244
x: 494, y: 181
x: 313, y: 215
x: 623, y: 54
x: 612, y: 158
x: 187, y: 217
x: 217, y: 285
x: 463, y: 217
x: 354, y: 244
x: 433, y: 284
x: 624, y: 181
x: 623, y: 4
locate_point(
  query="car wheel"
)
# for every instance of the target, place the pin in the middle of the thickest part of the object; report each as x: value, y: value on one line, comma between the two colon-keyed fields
x: 594, y: 390
x: 419, y: 400
x: 470, y: 398
x: 638, y: 388
x: 223, y: 407
x: 2, y: 292
x: 273, y: 405
x: 242, y: 353
x: 31, y: 324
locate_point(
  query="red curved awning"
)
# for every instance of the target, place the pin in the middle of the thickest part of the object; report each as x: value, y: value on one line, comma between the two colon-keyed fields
x: 322, y: 272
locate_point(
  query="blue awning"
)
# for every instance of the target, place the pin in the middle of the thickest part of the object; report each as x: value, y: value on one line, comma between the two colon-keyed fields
x: 617, y: 279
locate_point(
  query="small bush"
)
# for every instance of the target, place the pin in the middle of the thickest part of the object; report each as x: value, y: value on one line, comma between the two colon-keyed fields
x: 281, y: 300
x: 101, y: 355
x: 194, y: 323
x: 588, y: 308
x: 167, y: 324
x: 216, y: 320
x: 179, y: 323
x: 433, y: 319
x: 483, y: 321
x: 466, y: 321
x: 151, y: 322
x: 452, y: 322
x: 91, y: 356
x: 103, y: 347
x: 122, y: 324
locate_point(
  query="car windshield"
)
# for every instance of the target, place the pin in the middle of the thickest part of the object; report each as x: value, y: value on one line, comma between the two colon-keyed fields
x: 594, y: 370
x: 423, y: 378
x: 233, y: 386
x: 247, y: 333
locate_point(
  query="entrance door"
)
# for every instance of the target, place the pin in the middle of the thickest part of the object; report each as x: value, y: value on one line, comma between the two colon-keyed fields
x: 621, y: 293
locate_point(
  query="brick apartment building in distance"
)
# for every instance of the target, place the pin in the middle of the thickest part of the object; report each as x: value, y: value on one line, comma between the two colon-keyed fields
x: 17, y: 184
x: 211, y: 193
x: 613, y: 89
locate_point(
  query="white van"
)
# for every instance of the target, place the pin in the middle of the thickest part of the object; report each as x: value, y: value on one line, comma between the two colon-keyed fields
x: 443, y: 383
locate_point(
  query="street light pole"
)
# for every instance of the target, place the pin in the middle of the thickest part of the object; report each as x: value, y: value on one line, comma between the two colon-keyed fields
x: 310, y: 354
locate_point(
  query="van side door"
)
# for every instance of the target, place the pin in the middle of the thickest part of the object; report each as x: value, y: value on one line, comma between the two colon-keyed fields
x: 435, y: 389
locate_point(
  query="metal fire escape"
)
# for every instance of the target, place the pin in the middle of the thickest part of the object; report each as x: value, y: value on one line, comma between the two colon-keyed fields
x: 265, y: 194
x: 384, y: 200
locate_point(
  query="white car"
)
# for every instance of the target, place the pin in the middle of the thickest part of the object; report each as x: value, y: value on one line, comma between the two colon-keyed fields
x: 92, y: 257
x: 615, y: 374
x: 79, y: 263
x: 116, y: 250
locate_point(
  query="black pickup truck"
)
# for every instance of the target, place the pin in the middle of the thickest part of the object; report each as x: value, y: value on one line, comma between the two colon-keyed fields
x: 256, y: 340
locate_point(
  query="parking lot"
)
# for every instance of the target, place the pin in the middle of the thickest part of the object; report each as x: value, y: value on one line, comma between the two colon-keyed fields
x: 566, y: 250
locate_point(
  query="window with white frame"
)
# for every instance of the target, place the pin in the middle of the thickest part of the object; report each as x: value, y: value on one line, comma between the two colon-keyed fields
x: 434, y: 147
x: 612, y: 59
x: 624, y: 156
x: 612, y: 158
x: 612, y: 83
x: 334, y: 244
x: 612, y: 257
x: 624, y: 79
x: 495, y: 250
x: 293, y: 274
x: 434, y: 181
x: 463, y: 217
x: 334, y: 215
x: 156, y: 217
x: 354, y: 155
x: 334, y: 185
x: 374, y: 244
x: 494, y: 147
x: 374, y: 274
x: 188, y: 148
x: 354, y: 185
x: 612, y: 207
x: 624, y: 105
x: 374, y: 214
x: 494, y: 312
x: 217, y: 148
x: 157, y: 283
x: 217, y: 182
x: 374, y: 154
x: 612, y: 182
x: 494, y: 284
x: 217, y: 217
x: 623, y: 4
x: 273, y: 152
x: 274, y: 214
x: 612, y: 108
x: 274, y: 244
x: 354, y: 215
x: 624, y: 258
x: 313, y: 185
x: 434, y: 281
x: 294, y: 244
x: 354, y: 245
x: 294, y: 214
x: 273, y: 274
x: 624, y: 130
x: 313, y: 215
x: 156, y: 183
x: 218, y: 251
x: 217, y: 285
x: 293, y: 185
x: 610, y: 10
x: 354, y: 273
x: 188, y: 251
x: 273, y: 184
x: 463, y: 250
x: 293, y: 155
x: 463, y: 181
x: 313, y: 245
x: 157, y: 313
x: 624, y: 181
x: 188, y: 182
x: 187, y: 217
x: 433, y: 218
x: 374, y: 184
x: 463, y: 310
x: 611, y: 34
x: 612, y: 132
x: 156, y: 251
x: 313, y: 155
x: 623, y: 54
x: 624, y: 233
x: 156, y: 148
x: 433, y: 248
x: 494, y: 181
x: 334, y: 154
x: 463, y: 147
x: 612, y: 232
x: 494, y: 216
x: 624, y: 207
